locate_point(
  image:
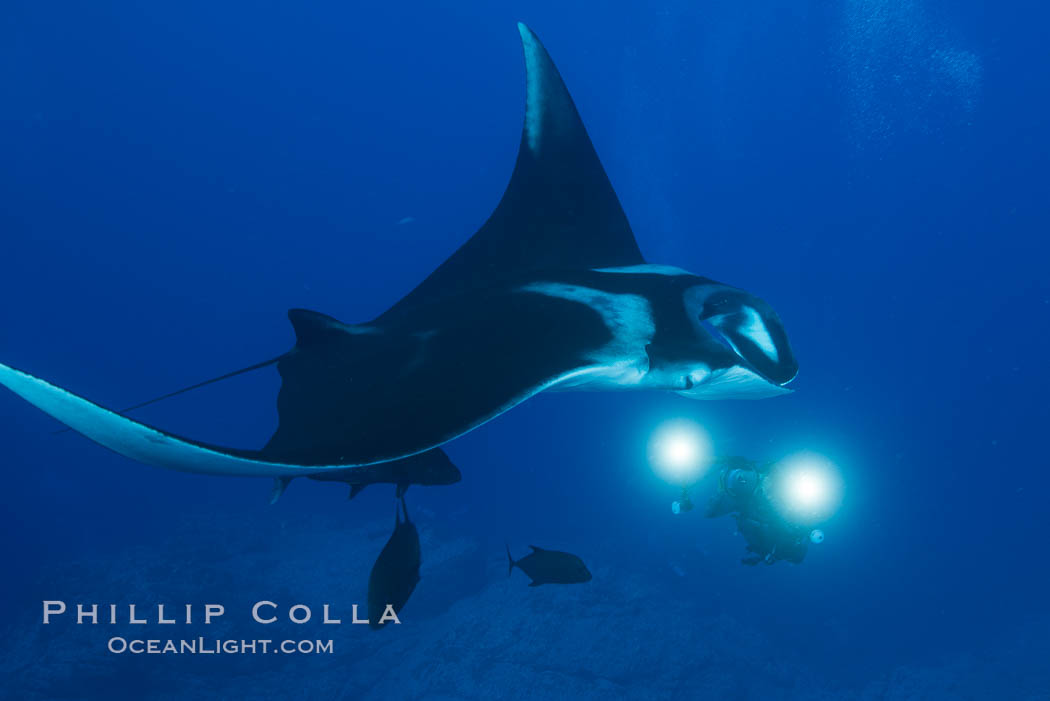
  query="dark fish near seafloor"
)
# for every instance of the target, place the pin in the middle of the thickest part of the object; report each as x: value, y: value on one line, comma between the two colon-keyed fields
x: 396, y: 571
x: 550, y: 567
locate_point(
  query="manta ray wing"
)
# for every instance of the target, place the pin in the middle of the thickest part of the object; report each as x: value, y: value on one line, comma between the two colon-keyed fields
x: 559, y: 210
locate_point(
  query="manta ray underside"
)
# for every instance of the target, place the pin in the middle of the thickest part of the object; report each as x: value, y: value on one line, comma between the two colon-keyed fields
x: 552, y: 292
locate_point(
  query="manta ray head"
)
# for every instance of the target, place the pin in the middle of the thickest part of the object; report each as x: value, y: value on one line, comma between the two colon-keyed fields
x: 749, y: 327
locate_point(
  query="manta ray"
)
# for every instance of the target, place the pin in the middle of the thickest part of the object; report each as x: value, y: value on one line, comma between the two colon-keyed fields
x: 552, y: 293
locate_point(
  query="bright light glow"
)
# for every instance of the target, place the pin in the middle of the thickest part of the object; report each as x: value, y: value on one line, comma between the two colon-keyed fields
x: 680, y: 451
x: 807, y: 487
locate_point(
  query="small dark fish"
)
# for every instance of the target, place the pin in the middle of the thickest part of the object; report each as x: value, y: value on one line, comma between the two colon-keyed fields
x: 396, y: 571
x: 550, y: 567
x: 430, y: 468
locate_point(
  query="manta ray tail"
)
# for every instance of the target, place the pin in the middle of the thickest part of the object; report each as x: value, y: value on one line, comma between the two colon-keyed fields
x: 205, y: 383
x: 177, y: 392
x: 309, y: 327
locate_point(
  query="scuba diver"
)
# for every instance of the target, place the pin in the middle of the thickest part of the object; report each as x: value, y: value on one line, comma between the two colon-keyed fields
x: 743, y: 492
x: 738, y: 487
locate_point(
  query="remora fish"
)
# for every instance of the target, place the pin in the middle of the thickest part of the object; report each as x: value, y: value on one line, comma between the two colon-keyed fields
x: 551, y: 293
x: 550, y: 567
x: 396, y: 571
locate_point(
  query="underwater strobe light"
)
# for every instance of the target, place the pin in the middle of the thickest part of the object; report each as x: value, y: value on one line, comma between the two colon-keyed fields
x: 807, y: 488
x: 680, y: 451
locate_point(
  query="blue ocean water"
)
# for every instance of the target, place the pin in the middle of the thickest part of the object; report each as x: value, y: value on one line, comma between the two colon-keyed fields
x: 174, y: 178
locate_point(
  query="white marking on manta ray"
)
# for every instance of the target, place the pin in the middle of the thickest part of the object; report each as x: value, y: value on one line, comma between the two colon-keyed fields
x: 646, y: 268
x: 677, y: 376
x: 756, y: 330
x: 623, y: 362
x: 734, y: 382
x: 535, y: 101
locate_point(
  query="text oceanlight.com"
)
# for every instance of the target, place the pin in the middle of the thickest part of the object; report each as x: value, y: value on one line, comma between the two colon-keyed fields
x: 203, y: 646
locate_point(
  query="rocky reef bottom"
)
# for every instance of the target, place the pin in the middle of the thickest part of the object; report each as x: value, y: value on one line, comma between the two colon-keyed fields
x: 469, y: 632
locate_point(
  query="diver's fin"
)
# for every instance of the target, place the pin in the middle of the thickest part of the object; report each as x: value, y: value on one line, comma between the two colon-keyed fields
x: 279, y: 485
x: 356, y: 489
x: 402, y: 487
x: 510, y: 568
x: 559, y: 210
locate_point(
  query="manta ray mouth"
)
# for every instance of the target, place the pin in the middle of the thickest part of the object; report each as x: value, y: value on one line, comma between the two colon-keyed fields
x: 743, y: 362
x: 717, y: 334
